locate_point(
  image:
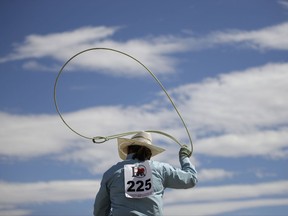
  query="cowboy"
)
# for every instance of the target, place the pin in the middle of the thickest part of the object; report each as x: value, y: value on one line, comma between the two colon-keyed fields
x: 135, y: 186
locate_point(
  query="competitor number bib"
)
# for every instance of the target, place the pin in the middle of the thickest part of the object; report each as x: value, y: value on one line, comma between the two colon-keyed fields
x: 138, y: 180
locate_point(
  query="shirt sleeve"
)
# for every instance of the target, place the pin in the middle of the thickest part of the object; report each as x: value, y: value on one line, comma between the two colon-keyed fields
x: 183, y: 178
x: 102, y: 203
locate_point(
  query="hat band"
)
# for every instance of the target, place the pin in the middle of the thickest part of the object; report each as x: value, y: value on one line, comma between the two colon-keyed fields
x: 141, y: 137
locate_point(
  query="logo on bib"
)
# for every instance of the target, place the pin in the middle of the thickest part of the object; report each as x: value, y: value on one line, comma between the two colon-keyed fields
x: 139, y: 171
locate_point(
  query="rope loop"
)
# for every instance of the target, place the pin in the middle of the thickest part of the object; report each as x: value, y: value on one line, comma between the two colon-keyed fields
x: 102, y: 139
x: 99, y: 139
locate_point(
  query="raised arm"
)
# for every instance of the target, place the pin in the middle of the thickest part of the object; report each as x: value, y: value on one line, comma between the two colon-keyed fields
x: 186, y: 177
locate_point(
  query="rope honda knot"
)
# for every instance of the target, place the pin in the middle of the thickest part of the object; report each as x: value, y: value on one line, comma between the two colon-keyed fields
x: 99, y: 139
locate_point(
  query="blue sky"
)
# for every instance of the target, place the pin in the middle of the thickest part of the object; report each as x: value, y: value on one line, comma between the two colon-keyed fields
x: 223, y: 62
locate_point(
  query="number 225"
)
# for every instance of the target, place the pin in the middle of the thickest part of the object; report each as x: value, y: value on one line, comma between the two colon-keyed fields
x: 139, y: 185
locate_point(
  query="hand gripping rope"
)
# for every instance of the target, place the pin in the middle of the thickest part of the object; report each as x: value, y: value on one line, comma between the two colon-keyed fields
x: 102, y: 139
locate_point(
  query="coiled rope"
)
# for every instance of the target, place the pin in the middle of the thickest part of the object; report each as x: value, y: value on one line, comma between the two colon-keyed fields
x: 102, y: 139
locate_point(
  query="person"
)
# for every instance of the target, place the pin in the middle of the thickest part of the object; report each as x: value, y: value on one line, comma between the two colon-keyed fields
x: 135, y: 186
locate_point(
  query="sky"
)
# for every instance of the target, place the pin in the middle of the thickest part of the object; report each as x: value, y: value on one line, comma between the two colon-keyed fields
x: 223, y: 62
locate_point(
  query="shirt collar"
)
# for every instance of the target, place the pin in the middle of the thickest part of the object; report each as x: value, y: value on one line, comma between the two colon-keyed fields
x: 129, y: 156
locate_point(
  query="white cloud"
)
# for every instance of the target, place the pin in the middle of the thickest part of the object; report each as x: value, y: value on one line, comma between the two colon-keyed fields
x: 62, y: 46
x: 34, y: 65
x: 45, y: 192
x: 56, y: 45
x: 213, y: 174
x: 224, y: 197
x: 12, y: 210
x: 16, y: 197
x: 273, y: 37
x: 227, y: 192
x: 218, y: 208
x: 32, y: 135
x: 283, y: 3
x: 244, y: 112
x: 271, y: 143
x: 239, y: 101
x: 155, y: 52
x: 26, y: 137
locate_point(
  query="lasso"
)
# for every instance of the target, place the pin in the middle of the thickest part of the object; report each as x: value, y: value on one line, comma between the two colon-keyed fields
x: 102, y: 139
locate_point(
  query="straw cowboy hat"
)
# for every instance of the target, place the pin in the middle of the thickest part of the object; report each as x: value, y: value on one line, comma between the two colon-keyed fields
x: 141, y: 139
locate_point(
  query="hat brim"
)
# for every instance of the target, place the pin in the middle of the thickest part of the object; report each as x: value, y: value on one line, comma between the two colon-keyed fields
x: 123, y: 144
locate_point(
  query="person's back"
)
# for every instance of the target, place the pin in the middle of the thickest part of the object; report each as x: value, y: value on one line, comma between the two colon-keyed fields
x: 120, y: 204
x: 113, y: 196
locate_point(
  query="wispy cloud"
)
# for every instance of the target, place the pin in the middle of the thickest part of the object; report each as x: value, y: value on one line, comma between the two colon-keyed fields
x: 228, y: 110
x: 227, y: 192
x: 43, y: 192
x: 30, y: 136
x: 266, y: 143
x: 222, y: 199
x: 283, y: 3
x: 218, y: 208
x: 271, y: 38
x: 16, y: 197
x: 214, y: 174
x: 13, y: 211
x: 25, y: 194
x: 39, y: 46
x: 156, y: 52
x: 61, y: 46
x: 239, y: 101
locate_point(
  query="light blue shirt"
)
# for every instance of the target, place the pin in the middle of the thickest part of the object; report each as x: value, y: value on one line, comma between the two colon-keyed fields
x: 111, y: 199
